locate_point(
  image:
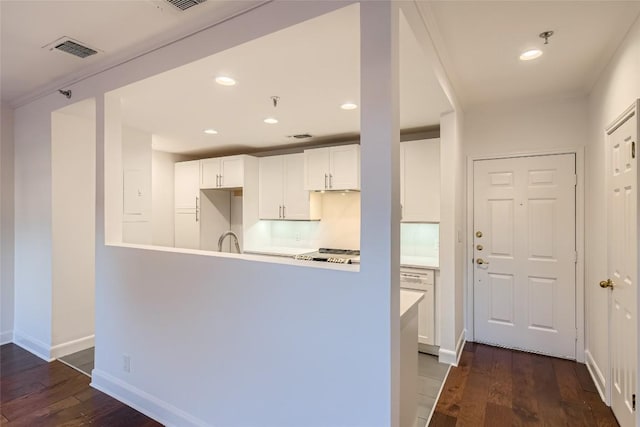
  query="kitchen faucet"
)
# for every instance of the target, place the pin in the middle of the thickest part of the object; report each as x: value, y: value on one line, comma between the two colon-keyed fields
x: 235, y: 240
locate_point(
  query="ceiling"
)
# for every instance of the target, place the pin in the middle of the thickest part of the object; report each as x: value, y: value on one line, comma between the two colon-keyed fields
x: 119, y: 29
x: 313, y: 68
x: 480, y: 42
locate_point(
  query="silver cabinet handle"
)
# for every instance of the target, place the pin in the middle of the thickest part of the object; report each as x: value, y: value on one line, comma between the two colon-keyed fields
x: 283, y: 211
x: 217, y: 176
x: 197, y: 208
x: 221, y: 179
x: 325, y: 181
x: 279, y: 211
x: 330, y: 180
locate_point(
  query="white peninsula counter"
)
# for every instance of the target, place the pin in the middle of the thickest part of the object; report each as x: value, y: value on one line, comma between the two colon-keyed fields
x: 409, y: 356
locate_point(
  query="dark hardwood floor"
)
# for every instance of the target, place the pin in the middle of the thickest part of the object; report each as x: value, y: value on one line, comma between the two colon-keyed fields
x: 498, y: 387
x: 36, y: 393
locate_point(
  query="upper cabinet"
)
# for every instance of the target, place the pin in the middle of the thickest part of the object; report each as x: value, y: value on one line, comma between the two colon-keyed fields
x: 420, y: 180
x: 332, y: 168
x: 187, y: 184
x: 222, y: 172
x: 282, y: 193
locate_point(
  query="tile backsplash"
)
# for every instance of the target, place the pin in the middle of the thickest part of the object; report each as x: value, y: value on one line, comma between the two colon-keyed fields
x: 419, y: 239
x: 340, y: 228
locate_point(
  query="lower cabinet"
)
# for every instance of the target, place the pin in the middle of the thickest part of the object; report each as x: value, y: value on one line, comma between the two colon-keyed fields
x: 423, y: 281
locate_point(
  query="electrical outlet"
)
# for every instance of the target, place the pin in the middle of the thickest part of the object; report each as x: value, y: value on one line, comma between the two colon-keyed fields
x: 297, y: 237
x: 126, y: 363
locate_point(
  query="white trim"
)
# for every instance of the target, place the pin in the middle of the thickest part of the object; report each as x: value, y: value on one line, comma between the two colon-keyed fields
x: 6, y: 337
x: 33, y: 346
x: 596, y: 375
x: 451, y: 357
x: 444, y: 380
x: 142, y: 401
x: 69, y: 347
x: 578, y: 152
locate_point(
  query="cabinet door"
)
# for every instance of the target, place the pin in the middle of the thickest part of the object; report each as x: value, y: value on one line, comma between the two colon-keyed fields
x: 421, y: 181
x: 231, y: 172
x: 270, y: 187
x: 426, y: 318
x: 296, y: 199
x: 186, y: 180
x: 187, y: 230
x: 345, y: 167
x: 209, y: 173
x: 316, y: 169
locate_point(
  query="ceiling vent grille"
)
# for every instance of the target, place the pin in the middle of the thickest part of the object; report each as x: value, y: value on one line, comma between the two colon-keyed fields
x: 75, y: 49
x: 300, y: 136
x: 185, y: 4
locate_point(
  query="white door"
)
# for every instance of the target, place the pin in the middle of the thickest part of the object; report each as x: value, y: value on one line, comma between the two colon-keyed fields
x: 622, y: 265
x: 316, y: 166
x: 187, y: 230
x: 232, y: 172
x: 187, y: 184
x: 524, y: 253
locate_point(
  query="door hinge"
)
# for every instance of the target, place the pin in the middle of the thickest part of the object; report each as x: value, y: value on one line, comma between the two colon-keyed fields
x: 575, y: 256
x: 575, y: 180
x: 633, y: 401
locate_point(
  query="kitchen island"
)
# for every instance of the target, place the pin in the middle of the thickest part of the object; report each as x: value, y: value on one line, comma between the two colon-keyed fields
x: 409, y: 301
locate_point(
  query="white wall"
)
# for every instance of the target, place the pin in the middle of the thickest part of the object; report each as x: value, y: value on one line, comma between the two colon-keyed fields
x: 73, y: 228
x: 616, y: 89
x: 521, y: 127
x: 452, y: 205
x: 293, y: 336
x: 33, y: 231
x: 6, y: 226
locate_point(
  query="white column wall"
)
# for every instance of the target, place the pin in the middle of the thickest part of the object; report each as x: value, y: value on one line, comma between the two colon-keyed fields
x: 73, y: 230
x: 6, y: 226
x: 33, y: 228
x: 615, y: 90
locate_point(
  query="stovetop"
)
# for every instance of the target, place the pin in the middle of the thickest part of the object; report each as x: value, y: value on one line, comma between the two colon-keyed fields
x: 338, y: 256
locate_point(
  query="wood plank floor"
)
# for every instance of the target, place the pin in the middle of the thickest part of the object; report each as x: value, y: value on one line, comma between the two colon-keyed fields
x: 36, y: 393
x: 498, y: 387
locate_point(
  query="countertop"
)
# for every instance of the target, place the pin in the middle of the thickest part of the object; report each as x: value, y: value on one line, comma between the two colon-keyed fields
x: 409, y: 299
x: 279, y: 251
x: 431, y: 263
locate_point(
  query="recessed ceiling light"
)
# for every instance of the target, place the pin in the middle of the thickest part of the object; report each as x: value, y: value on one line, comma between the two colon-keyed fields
x: 210, y: 131
x: 348, y: 106
x: 225, y: 81
x: 528, y: 55
x: 271, y: 120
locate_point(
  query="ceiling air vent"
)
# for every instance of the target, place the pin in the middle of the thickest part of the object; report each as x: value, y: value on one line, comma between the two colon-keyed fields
x: 300, y: 136
x: 72, y: 47
x: 185, y: 4
x: 76, y: 49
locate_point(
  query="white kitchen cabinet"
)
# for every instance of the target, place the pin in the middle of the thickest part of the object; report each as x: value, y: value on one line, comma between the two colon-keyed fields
x: 420, y: 180
x: 423, y: 281
x: 187, y: 204
x: 282, y: 194
x: 332, y: 168
x: 187, y: 184
x: 222, y: 172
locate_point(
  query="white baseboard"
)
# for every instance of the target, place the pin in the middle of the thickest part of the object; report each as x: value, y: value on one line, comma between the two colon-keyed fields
x: 33, y: 345
x: 142, y: 401
x: 70, y: 347
x: 6, y: 337
x: 596, y: 374
x: 452, y: 357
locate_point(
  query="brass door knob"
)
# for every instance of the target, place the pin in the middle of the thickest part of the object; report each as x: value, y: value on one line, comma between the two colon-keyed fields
x: 607, y: 283
x: 480, y: 261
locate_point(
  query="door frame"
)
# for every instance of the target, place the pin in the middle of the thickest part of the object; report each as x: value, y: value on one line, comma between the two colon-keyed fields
x: 468, y: 247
